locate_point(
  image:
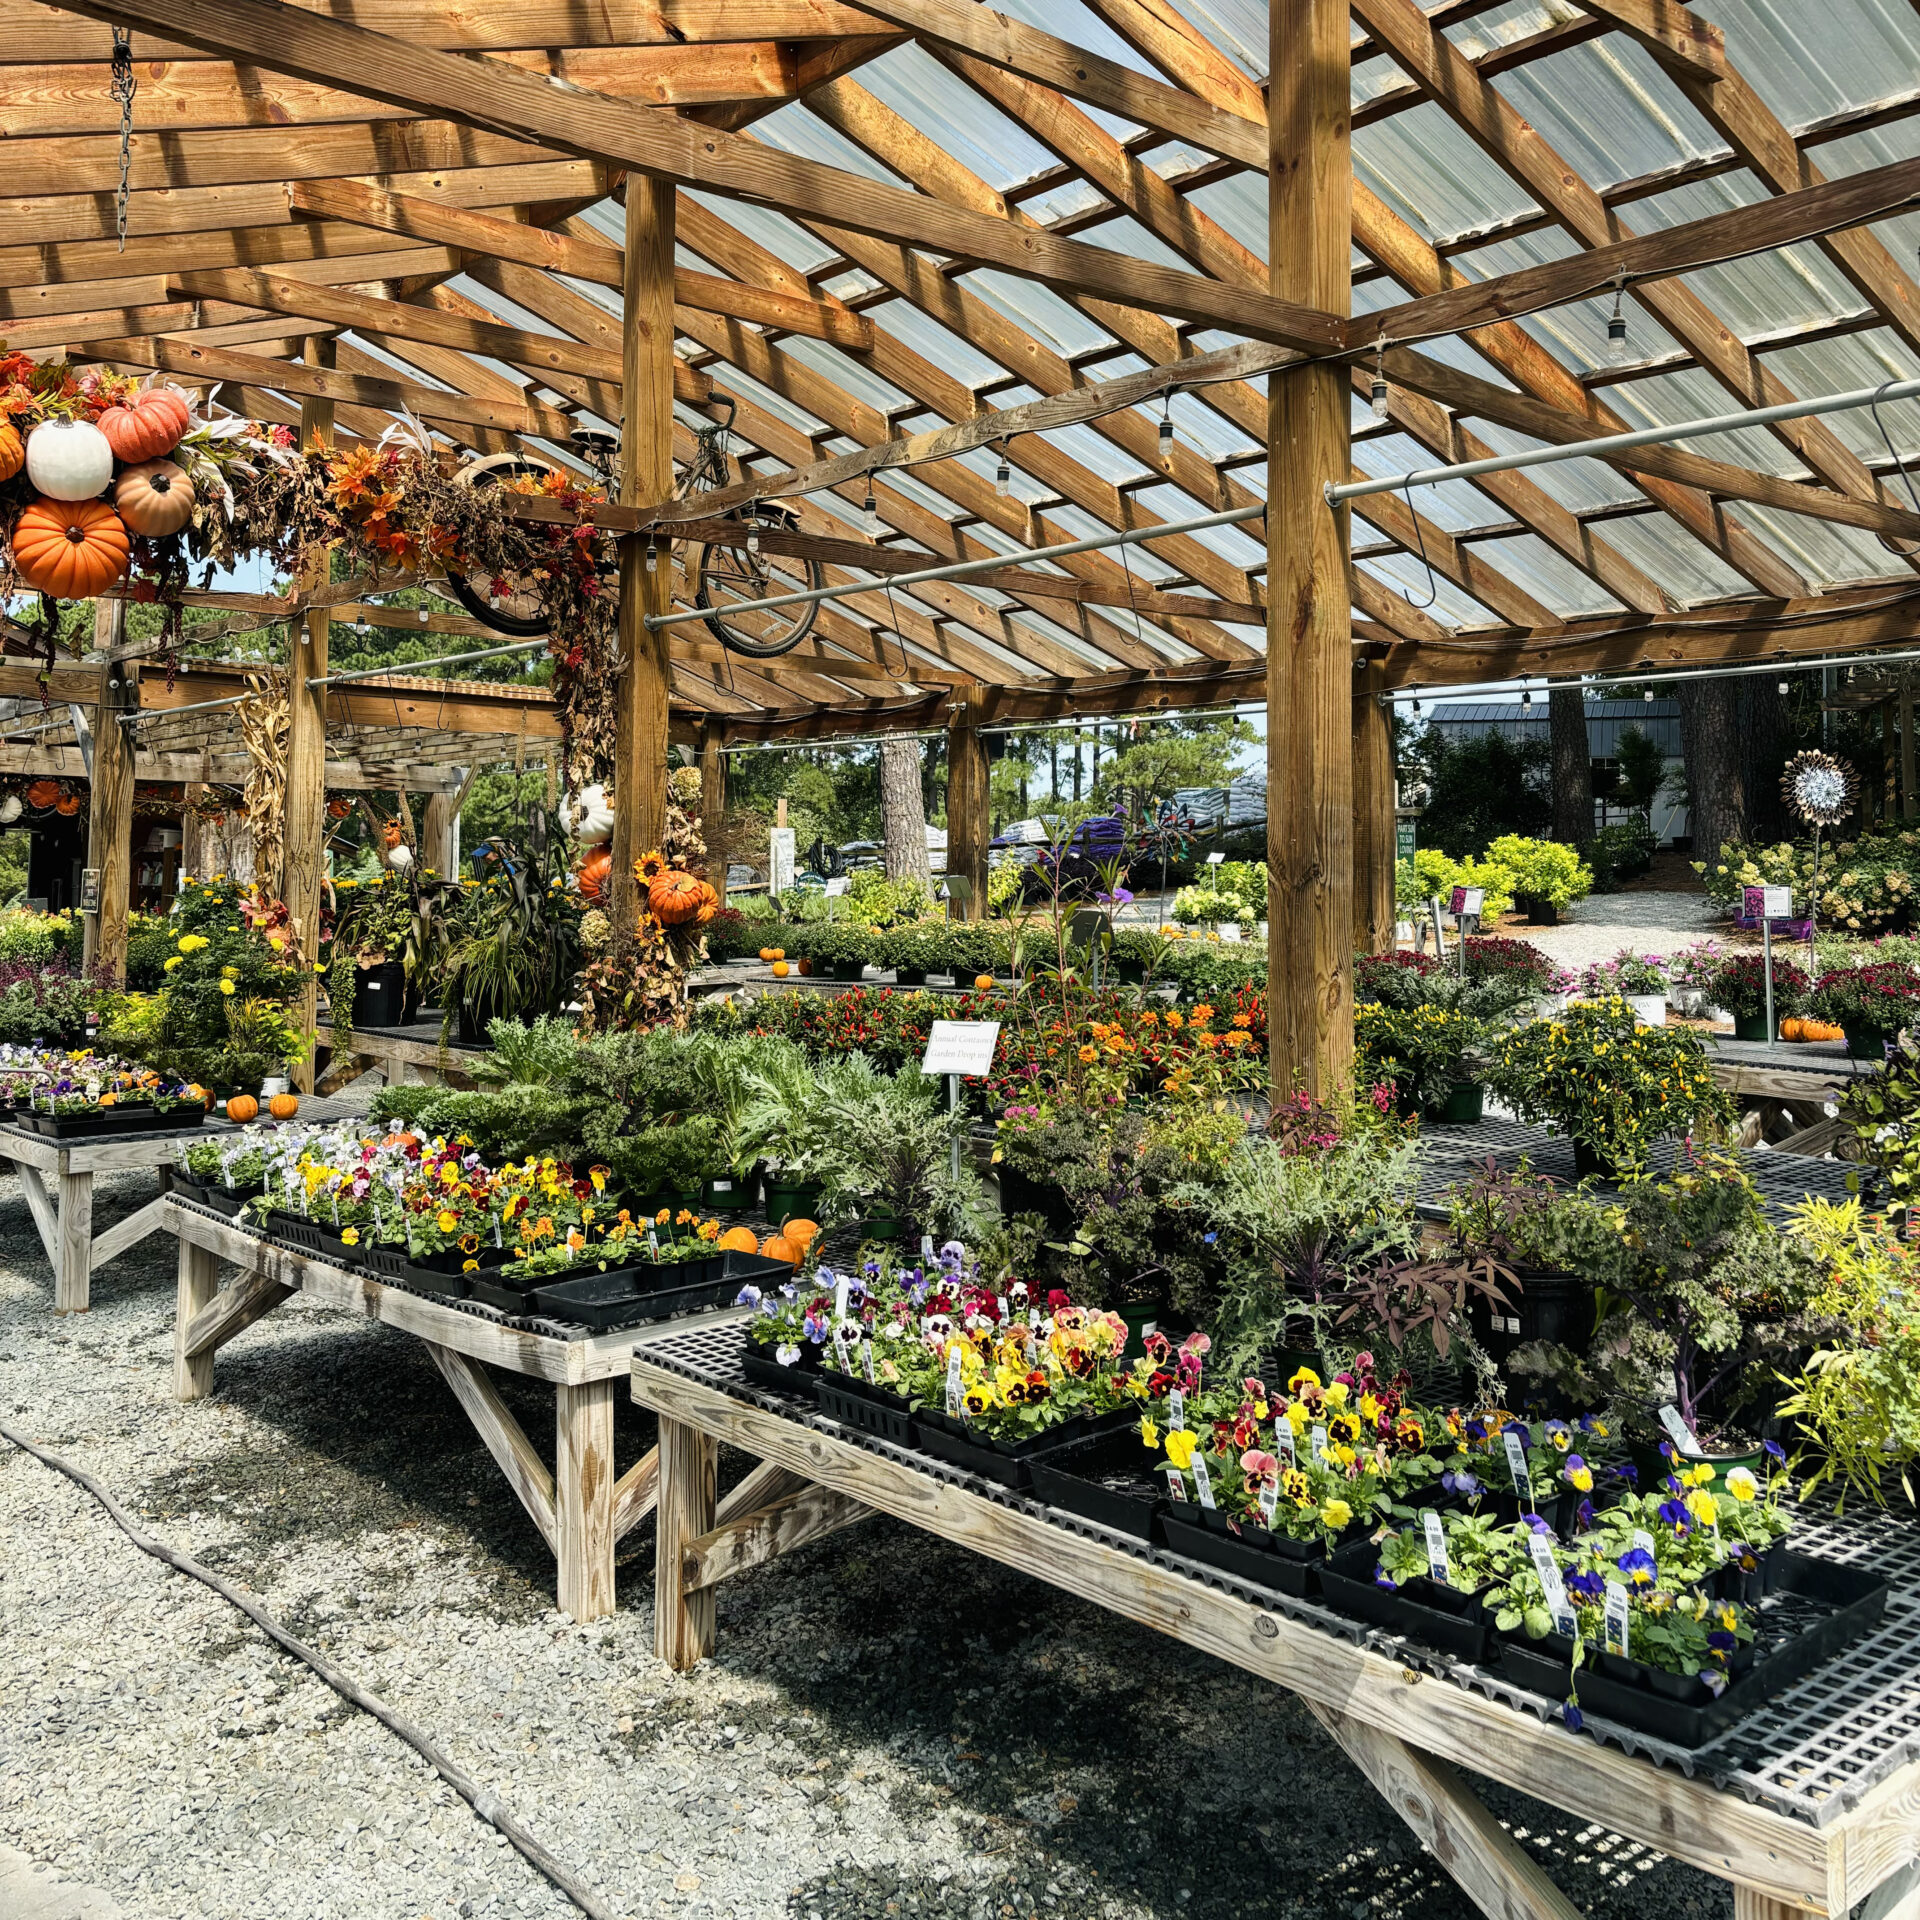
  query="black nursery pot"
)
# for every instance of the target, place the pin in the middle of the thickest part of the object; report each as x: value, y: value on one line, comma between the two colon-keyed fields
x: 1540, y: 911
x: 1555, y: 1307
x: 380, y: 995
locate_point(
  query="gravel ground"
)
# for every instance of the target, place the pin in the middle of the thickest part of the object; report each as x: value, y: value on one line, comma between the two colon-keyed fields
x: 891, y: 1726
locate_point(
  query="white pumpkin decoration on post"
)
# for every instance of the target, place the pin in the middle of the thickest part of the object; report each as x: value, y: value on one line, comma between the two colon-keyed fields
x: 400, y: 858
x: 10, y: 810
x: 588, y: 816
x: 69, y: 459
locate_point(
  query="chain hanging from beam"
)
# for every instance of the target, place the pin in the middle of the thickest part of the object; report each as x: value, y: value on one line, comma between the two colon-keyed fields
x: 122, y: 87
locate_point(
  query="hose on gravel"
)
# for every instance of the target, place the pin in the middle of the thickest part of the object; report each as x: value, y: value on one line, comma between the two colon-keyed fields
x: 484, y: 1803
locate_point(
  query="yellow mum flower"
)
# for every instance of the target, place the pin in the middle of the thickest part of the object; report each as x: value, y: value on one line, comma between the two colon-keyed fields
x: 227, y: 987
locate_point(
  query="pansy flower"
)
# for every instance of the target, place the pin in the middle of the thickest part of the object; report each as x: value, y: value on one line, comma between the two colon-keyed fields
x: 1638, y: 1565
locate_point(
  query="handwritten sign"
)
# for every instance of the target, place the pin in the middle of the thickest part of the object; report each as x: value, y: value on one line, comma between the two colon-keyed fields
x: 964, y: 1047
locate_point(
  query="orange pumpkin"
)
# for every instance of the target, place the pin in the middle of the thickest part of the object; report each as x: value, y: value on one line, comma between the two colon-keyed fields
x: 67, y: 805
x: 70, y: 549
x: 594, y: 871
x: 1811, y: 1029
x: 675, y: 898
x: 242, y: 1108
x: 146, y: 425
x: 13, y: 450
x: 43, y: 793
x: 739, y: 1240
x: 155, y: 499
x: 801, y: 1232
x: 283, y: 1106
x: 338, y: 809
x: 776, y: 1246
x: 983, y: 983
x: 781, y: 969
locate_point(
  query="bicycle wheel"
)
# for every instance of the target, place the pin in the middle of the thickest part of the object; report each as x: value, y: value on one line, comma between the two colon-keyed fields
x: 520, y: 612
x: 730, y: 583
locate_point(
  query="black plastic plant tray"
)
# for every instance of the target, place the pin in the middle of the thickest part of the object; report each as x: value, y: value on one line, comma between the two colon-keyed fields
x: 454, y: 1259
x: 765, y: 1371
x: 295, y: 1229
x: 1104, y: 1479
x: 596, y: 1300
x: 226, y: 1200
x: 754, y: 1269
x: 665, y: 1303
x: 1437, y: 1616
x: 487, y: 1284
x: 1008, y: 1463
x: 387, y: 1262
x: 867, y: 1409
x: 1816, y: 1608
x: 1286, y: 1566
x: 98, y: 1125
x: 666, y: 1276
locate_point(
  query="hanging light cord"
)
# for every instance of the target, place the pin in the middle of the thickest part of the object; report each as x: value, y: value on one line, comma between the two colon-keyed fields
x: 123, y: 87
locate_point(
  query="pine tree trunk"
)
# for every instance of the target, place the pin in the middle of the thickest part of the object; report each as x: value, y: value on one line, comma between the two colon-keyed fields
x: 1716, y: 773
x: 903, y: 813
x: 1572, y: 766
x: 1764, y: 737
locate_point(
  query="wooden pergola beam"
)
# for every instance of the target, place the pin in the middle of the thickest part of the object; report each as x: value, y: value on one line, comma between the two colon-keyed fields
x: 1676, y: 36
x: 523, y: 107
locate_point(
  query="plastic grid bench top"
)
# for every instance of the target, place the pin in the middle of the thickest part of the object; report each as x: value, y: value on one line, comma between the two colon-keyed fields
x: 1812, y: 1753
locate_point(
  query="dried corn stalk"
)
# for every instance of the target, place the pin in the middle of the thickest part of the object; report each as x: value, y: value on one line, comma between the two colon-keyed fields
x: 264, y: 726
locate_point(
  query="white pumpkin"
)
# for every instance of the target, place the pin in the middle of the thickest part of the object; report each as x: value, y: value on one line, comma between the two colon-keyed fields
x: 400, y: 858
x: 69, y: 459
x: 589, y: 816
x: 10, y: 809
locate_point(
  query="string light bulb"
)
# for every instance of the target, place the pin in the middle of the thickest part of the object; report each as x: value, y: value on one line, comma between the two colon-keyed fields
x: 1003, y: 475
x: 1166, y: 427
x: 653, y: 557
x: 1377, y: 400
x: 1783, y: 687
x: 1647, y: 696
x: 1526, y: 699
x: 870, y: 510
x: 1617, y: 326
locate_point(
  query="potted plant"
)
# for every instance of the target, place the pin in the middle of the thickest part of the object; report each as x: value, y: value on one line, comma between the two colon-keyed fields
x: 1612, y: 1086
x: 373, y: 919
x: 838, y: 949
x: 1640, y: 979
x: 510, y: 948
x: 667, y: 1165
x: 1870, y: 1004
x: 1739, y: 984
x: 1690, y: 978
x: 1433, y: 1056
x: 1547, y: 875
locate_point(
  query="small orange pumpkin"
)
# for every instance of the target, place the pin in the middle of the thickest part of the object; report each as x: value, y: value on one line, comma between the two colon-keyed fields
x: 675, y: 898
x: 69, y: 549
x: 769, y: 953
x: 801, y: 1231
x: 739, y: 1240
x: 146, y: 425
x: 776, y: 1246
x: 43, y: 793
x: 154, y: 499
x: 13, y: 450
x: 983, y: 983
x: 594, y: 871
x: 283, y: 1106
x: 242, y: 1108
x: 67, y: 805
x: 1811, y: 1029
x: 781, y: 969
x: 338, y: 808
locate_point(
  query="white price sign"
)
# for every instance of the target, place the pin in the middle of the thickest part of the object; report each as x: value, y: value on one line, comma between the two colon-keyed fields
x: 964, y: 1047
x: 779, y: 859
x: 835, y: 888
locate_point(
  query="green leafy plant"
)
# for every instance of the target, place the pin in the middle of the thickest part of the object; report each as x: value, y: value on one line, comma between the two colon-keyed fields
x: 1739, y: 984
x: 1545, y: 870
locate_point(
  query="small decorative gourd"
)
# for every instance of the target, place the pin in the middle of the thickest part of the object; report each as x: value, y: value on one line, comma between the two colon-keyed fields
x: 242, y: 1108
x: 594, y: 871
x: 781, y: 969
x: 589, y: 816
x: 69, y: 549
x: 739, y: 1240
x: 13, y: 450
x: 69, y: 459
x: 983, y: 983
x: 283, y: 1106
x: 155, y: 499
x: 776, y: 1246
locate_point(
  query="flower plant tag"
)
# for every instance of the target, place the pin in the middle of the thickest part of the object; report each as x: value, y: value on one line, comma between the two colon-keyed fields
x: 953, y: 1378
x: 723, y: 1186
x: 653, y: 1243
x: 1552, y: 1586
x: 866, y: 1350
x: 1679, y: 1433
x: 1644, y: 1541
x: 926, y: 1249
x: 1283, y: 1442
x: 1437, y: 1563
x: 1202, y: 1480
x: 840, y: 1297
x: 1176, y: 1410
x: 1319, y: 1443
x: 1616, y: 1618
x: 1269, y: 1499
x: 1176, y: 1486
x: 1517, y: 1466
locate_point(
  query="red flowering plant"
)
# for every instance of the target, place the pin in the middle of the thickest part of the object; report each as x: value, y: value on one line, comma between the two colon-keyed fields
x: 1882, y: 998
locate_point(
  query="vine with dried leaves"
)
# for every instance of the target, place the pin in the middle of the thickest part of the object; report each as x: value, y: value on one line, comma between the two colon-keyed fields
x: 265, y: 724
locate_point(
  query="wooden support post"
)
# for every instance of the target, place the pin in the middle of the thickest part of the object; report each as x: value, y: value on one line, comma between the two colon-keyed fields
x: 512, y: 1451
x: 195, y: 858
x: 713, y: 808
x: 683, y: 1622
x: 968, y: 821
x: 1489, y: 1865
x: 1373, y: 819
x: 198, y: 1282
x: 437, y: 853
x: 1310, y: 917
x: 73, y: 1271
x: 306, y: 824
x: 583, y: 1482
x: 1908, y: 806
x: 646, y: 477
x: 110, y: 807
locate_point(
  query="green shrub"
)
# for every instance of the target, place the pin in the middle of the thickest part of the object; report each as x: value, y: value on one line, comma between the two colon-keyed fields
x: 670, y: 1159
x: 1543, y: 869
x: 36, y: 939
x: 1234, y: 890
x: 505, y: 1125
x: 1616, y: 854
x: 1430, y: 871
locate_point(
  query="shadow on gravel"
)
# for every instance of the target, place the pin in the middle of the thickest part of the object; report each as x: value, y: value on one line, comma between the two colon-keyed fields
x: 1093, y: 1762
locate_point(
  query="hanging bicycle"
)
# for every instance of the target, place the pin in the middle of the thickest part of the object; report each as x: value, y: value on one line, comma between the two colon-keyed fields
x: 728, y: 583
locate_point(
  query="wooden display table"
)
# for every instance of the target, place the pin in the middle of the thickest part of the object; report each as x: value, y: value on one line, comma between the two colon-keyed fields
x: 1809, y: 1806
x: 414, y: 1052
x: 581, y: 1509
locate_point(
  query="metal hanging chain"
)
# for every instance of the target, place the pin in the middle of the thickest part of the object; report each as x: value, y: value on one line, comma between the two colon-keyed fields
x: 122, y: 88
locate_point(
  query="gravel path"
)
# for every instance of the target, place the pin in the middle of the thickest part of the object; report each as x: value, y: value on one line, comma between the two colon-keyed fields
x: 891, y: 1726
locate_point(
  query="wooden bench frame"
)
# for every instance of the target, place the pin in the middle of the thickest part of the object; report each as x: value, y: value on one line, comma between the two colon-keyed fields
x: 1409, y: 1733
x: 400, y: 1060
x: 64, y: 1217
x: 581, y: 1510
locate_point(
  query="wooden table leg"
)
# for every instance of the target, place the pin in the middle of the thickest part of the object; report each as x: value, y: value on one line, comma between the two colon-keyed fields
x: 583, y: 1481
x: 198, y: 1283
x: 683, y: 1622
x: 73, y: 1276
x: 1749, y: 1903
